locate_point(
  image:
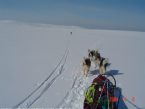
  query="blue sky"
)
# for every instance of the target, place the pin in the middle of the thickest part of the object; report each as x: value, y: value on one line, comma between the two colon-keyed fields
x: 116, y: 14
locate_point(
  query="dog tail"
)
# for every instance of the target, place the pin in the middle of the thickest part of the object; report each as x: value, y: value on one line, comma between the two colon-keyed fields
x: 107, y: 63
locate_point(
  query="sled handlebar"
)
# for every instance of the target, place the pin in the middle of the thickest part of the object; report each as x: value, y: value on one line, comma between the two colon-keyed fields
x: 112, y: 77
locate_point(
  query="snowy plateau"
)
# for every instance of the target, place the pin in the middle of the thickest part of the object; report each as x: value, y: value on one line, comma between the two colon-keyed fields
x: 45, y: 59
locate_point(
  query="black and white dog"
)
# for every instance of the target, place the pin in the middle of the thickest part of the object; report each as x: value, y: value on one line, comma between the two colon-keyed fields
x: 99, y: 61
x: 94, y: 56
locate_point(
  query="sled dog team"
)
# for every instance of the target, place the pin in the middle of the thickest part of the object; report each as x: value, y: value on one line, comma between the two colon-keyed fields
x: 99, y: 61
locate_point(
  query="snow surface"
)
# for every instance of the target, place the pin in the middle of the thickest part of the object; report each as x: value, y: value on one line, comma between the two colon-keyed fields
x: 30, y: 52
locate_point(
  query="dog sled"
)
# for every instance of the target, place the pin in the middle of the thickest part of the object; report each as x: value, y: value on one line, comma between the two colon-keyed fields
x: 101, y: 93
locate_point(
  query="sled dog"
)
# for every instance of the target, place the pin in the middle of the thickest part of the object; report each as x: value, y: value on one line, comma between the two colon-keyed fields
x: 86, y: 64
x: 104, y: 63
x: 99, y: 61
x: 94, y: 56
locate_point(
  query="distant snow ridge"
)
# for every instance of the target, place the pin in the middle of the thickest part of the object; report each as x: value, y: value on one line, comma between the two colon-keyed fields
x: 75, y: 97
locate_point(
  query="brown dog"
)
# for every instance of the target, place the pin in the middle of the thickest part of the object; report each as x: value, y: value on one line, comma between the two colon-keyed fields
x: 86, y: 64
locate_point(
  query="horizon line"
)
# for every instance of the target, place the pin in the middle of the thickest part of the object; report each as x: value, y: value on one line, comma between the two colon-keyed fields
x: 77, y: 26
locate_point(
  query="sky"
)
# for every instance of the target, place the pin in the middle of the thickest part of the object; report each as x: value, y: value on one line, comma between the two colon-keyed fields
x: 109, y: 14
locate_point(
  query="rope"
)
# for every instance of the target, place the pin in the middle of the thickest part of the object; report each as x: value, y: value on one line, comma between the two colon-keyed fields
x: 101, y: 93
x: 107, y: 95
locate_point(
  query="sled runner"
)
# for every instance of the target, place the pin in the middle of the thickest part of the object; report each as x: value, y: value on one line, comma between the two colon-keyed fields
x: 100, y: 95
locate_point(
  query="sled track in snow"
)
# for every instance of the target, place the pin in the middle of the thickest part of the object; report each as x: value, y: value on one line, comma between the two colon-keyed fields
x: 49, y: 84
x: 26, y: 98
x: 64, y: 57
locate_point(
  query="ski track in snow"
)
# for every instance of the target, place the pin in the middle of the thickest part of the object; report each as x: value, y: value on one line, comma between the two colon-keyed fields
x: 26, y: 98
x: 64, y: 58
x: 49, y: 84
